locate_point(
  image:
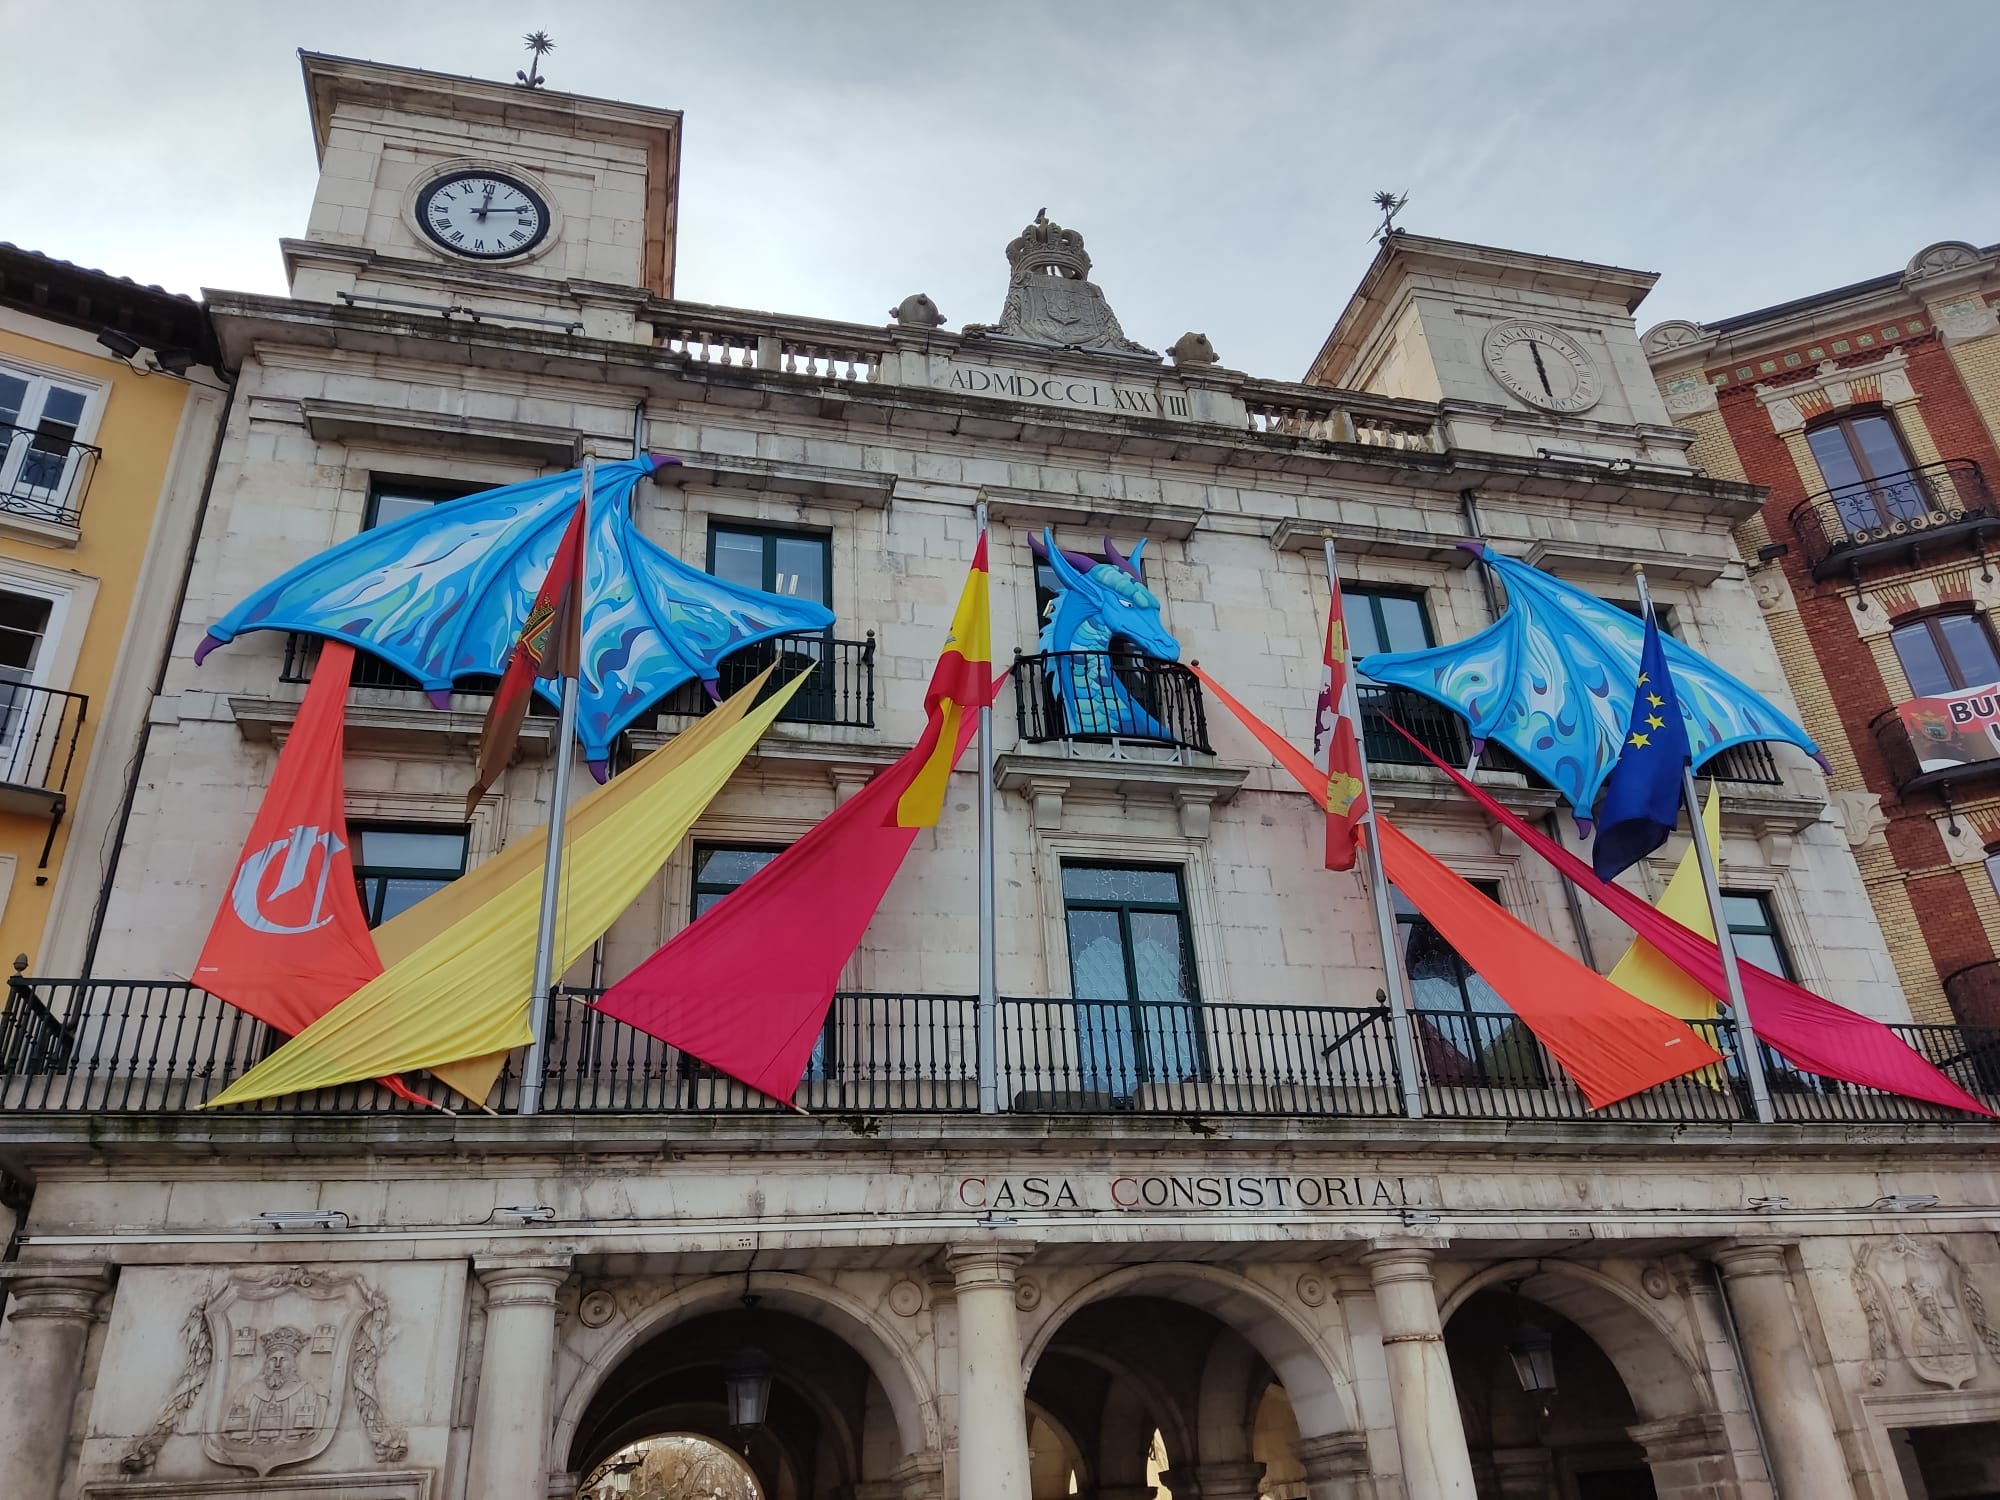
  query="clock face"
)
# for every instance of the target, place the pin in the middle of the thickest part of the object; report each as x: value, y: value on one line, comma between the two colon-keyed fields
x: 1544, y: 366
x: 483, y: 215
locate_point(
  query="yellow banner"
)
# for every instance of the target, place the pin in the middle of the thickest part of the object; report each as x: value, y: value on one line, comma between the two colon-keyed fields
x: 462, y: 994
x: 1647, y: 974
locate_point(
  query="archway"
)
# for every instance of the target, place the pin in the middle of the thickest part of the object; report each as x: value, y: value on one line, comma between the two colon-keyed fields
x: 674, y: 1466
x: 829, y: 1425
x: 1188, y: 1376
x: 1549, y: 1413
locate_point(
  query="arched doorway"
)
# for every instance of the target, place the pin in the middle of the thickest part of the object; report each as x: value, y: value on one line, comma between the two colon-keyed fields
x: 826, y: 1423
x: 1547, y: 1416
x: 1192, y: 1380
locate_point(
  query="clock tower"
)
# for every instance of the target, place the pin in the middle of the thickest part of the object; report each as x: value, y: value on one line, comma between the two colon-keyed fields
x: 1525, y: 354
x: 494, y: 198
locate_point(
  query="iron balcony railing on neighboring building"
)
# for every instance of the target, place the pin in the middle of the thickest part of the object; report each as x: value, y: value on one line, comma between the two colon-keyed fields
x: 44, y: 475
x: 137, y: 1047
x: 1103, y: 697
x: 1854, y: 526
x: 841, y: 689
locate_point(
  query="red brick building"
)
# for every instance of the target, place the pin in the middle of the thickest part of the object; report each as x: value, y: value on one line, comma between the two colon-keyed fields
x: 1870, y: 412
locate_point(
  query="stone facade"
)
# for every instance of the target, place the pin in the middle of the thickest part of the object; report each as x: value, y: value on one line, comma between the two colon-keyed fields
x: 1917, y: 349
x: 1223, y: 1288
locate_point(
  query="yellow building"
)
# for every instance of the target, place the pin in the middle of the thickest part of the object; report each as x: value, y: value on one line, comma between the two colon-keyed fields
x: 109, y: 409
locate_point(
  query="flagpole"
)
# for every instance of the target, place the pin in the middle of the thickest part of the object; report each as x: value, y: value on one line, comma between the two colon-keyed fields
x: 545, y: 931
x: 988, y: 1006
x: 1396, y: 990
x: 1704, y: 857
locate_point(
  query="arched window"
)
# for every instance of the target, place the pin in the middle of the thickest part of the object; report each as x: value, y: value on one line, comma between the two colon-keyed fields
x: 1867, y: 470
x: 1946, y: 654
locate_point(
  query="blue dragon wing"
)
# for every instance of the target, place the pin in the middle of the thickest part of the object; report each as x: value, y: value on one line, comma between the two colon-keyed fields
x: 442, y: 595
x: 1553, y: 681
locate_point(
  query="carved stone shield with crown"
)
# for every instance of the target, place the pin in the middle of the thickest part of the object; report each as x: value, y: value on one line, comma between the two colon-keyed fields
x: 1050, y: 298
x: 1914, y: 1292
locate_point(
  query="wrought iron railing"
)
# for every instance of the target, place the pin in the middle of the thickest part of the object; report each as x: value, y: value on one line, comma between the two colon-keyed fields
x: 114, y: 1046
x: 1105, y: 696
x: 1853, y: 525
x: 44, y: 475
x: 39, y: 729
x: 841, y: 689
x: 1750, y: 764
x: 1436, y: 727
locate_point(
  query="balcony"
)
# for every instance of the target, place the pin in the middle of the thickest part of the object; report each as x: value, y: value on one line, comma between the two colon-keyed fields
x: 148, y: 1047
x: 1110, y: 698
x: 840, y: 691
x: 39, y: 730
x: 1855, y: 526
x: 44, y: 475
x: 1940, y: 742
x: 1446, y: 736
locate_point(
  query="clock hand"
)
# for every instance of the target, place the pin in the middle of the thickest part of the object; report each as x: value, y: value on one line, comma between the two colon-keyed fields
x: 1536, y: 350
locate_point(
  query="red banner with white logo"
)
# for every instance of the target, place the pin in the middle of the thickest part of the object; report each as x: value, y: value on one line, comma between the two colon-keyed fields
x: 290, y: 941
x: 1954, y: 729
x: 1336, y: 752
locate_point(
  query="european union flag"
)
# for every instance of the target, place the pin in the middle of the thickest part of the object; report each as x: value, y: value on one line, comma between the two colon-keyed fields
x: 1642, y: 796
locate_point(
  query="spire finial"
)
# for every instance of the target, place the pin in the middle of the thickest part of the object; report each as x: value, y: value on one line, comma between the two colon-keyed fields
x: 1390, y: 204
x: 541, y: 44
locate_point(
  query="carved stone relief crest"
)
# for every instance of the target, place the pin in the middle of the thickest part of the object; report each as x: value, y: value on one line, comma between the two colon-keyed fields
x: 1918, y: 1299
x: 1050, y: 298
x: 272, y: 1355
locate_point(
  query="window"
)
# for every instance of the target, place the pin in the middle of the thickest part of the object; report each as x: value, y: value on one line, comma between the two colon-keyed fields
x: 1467, y: 1033
x: 1131, y: 964
x: 1386, y: 620
x: 796, y: 564
x: 1946, y: 653
x: 39, y: 422
x: 720, y: 869
x: 1865, y: 465
x: 392, y: 497
x: 396, y: 865
x: 1754, y: 929
x: 1664, y: 613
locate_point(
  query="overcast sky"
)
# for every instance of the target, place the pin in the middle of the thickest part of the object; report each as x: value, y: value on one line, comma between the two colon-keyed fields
x: 1218, y: 157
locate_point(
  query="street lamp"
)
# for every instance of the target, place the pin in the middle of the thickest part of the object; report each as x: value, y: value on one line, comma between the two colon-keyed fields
x: 746, y: 1376
x: 1533, y: 1351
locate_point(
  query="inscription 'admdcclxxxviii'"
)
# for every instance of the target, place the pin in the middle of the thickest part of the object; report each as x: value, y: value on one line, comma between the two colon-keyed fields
x: 1067, y: 390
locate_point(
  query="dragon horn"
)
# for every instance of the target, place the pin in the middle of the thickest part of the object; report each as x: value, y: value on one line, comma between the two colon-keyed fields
x: 1035, y: 545
x: 1120, y: 561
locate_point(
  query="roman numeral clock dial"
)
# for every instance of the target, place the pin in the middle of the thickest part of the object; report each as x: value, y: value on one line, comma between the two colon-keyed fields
x: 1543, y: 366
x: 483, y: 215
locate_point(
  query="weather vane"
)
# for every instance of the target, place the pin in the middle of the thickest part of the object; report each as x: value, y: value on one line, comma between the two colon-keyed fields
x: 541, y: 44
x: 1391, y: 204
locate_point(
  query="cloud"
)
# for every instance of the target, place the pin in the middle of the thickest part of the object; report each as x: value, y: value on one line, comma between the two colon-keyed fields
x: 1218, y: 157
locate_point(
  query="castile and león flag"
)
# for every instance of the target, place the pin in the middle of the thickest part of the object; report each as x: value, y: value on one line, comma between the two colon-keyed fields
x: 548, y: 586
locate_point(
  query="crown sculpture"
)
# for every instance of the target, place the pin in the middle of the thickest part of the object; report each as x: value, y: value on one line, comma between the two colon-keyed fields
x: 1050, y: 298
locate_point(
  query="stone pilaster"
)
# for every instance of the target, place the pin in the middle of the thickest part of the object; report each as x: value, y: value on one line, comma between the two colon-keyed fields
x: 1524, y: 1473
x: 992, y: 1399
x: 1803, y: 1448
x: 1689, y: 1456
x: 41, y: 1360
x: 1429, y: 1432
x: 510, y: 1426
x: 1336, y: 1467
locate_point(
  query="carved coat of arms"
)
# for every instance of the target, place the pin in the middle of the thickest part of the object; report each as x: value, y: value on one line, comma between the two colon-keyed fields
x: 272, y: 1357
x: 1050, y: 297
x: 1914, y: 1293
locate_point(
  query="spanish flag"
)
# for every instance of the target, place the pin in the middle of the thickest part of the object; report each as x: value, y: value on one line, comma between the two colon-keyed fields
x: 962, y: 682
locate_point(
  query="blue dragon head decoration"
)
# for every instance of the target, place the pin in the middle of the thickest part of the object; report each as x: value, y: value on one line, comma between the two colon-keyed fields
x: 442, y: 595
x: 1102, y: 610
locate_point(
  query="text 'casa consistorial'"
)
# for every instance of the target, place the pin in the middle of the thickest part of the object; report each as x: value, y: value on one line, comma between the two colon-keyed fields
x: 1200, y: 1192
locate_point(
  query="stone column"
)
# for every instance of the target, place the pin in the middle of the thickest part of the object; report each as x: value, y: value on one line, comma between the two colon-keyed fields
x: 992, y: 1399
x: 49, y: 1312
x: 1799, y: 1437
x: 510, y: 1425
x: 1436, y: 1465
x: 1336, y: 1467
